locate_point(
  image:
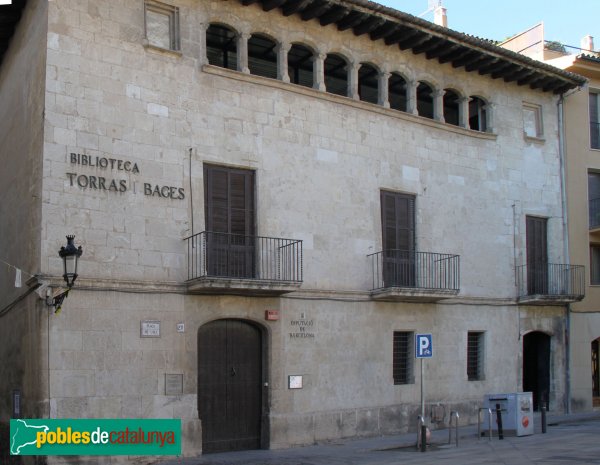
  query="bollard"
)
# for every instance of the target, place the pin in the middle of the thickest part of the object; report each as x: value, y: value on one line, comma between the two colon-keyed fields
x: 544, y: 423
x: 499, y: 420
x: 423, y: 438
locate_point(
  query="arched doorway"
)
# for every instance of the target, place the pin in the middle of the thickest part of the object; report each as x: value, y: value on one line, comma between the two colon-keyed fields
x: 536, y: 367
x: 230, y: 379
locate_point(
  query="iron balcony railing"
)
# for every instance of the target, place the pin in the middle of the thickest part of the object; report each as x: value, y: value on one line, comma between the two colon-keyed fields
x: 418, y: 270
x: 551, y: 280
x: 222, y: 255
x: 594, y: 206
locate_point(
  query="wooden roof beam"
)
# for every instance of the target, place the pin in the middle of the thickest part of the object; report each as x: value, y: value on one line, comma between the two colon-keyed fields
x: 480, y: 62
x: 520, y: 73
x: 383, y: 31
x: 413, y: 41
x: 351, y: 20
x: 503, y: 70
x: 402, y: 33
x: 315, y: 10
x: 428, y: 45
x: 268, y: 5
x: 440, y: 50
x: 333, y: 15
x: 294, y: 6
x: 454, y: 55
x: 470, y: 57
x: 368, y: 25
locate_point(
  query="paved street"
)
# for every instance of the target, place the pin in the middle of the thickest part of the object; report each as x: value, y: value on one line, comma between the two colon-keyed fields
x: 569, y: 440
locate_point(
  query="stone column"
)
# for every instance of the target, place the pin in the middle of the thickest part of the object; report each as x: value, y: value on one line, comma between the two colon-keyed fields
x: 411, y: 97
x: 490, y: 110
x: 384, y: 80
x: 353, y: 80
x: 242, y: 52
x: 438, y: 105
x: 463, y: 112
x: 319, y: 71
x: 282, y: 51
x: 202, y: 59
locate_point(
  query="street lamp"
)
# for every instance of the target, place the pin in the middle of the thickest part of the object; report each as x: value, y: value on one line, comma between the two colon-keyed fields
x: 70, y: 256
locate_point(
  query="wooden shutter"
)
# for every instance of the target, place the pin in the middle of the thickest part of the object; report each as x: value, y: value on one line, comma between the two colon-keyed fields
x: 230, y: 219
x: 398, y: 221
x: 398, y: 230
x: 537, y: 255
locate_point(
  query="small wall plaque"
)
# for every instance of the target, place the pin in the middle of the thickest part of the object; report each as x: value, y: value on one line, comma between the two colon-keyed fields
x: 180, y: 327
x: 150, y: 328
x: 16, y: 413
x: 295, y: 382
x: 173, y: 384
x: 271, y: 315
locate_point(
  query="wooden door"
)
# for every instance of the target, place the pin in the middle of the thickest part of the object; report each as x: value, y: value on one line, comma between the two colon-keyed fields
x: 230, y: 219
x: 398, y: 224
x: 230, y: 385
x: 537, y: 255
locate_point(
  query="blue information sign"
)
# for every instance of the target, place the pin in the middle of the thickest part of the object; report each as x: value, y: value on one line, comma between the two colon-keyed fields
x: 423, y: 346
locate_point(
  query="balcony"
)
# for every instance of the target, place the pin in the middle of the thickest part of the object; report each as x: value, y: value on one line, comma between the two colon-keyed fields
x: 221, y: 263
x: 400, y: 275
x: 550, y: 284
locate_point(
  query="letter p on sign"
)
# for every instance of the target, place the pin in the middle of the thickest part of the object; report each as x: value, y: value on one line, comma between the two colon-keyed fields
x: 423, y: 346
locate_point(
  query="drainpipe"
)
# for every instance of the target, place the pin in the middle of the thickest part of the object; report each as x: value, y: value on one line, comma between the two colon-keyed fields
x: 563, y: 188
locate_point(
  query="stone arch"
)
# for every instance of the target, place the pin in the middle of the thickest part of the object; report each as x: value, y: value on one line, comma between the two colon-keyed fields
x: 262, y: 55
x: 301, y: 64
x: 336, y: 74
x: 221, y: 45
x: 368, y: 82
x: 478, y: 113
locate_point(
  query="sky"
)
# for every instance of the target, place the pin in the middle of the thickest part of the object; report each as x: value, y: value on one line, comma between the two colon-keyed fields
x: 565, y: 21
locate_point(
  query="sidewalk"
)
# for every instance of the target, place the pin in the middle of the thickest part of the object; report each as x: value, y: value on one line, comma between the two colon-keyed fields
x: 570, y: 439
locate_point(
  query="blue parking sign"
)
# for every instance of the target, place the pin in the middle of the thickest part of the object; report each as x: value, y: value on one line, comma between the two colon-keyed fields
x: 423, y: 346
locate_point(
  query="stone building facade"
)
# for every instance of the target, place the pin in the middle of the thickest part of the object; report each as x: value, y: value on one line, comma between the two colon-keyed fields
x: 581, y: 142
x: 273, y: 199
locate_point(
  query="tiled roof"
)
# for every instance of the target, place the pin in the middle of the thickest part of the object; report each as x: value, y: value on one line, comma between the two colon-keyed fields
x: 408, y: 32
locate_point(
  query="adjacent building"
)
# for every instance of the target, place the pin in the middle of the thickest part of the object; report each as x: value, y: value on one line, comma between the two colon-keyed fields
x: 273, y: 199
x: 581, y: 143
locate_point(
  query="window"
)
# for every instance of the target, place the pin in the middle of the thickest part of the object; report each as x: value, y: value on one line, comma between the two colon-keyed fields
x: 221, y: 46
x: 594, y: 199
x: 262, y: 57
x: 397, y: 92
x: 475, y: 355
x: 477, y: 114
x: 336, y: 75
x: 368, y: 83
x: 300, y: 65
x: 532, y: 121
x: 595, y: 120
x: 595, y: 264
x: 398, y: 239
x: 403, y: 357
x: 161, y: 22
x: 451, y: 107
x: 425, y: 100
x: 229, y: 207
x: 536, y: 243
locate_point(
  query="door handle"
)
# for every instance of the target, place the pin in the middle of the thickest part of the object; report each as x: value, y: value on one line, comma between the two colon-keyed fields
x: 233, y: 372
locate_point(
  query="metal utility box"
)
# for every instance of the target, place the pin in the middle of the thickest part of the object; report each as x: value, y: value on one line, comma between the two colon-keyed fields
x: 517, y: 412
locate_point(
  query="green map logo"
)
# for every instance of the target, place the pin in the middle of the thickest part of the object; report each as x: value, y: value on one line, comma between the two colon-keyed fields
x: 24, y: 435
x: 95, y: 437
